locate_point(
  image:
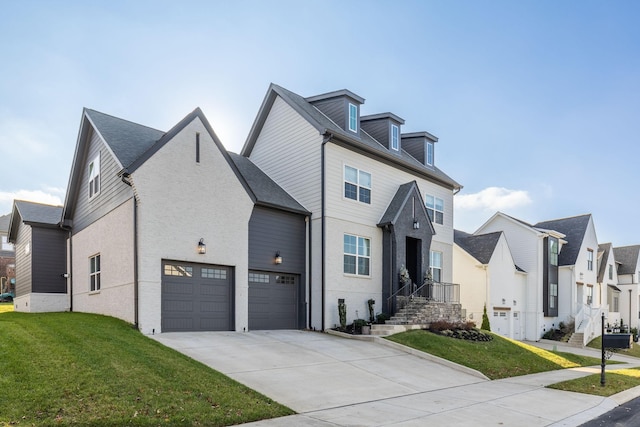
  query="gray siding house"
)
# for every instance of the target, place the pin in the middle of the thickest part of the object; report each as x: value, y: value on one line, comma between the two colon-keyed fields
x: 41, y: 266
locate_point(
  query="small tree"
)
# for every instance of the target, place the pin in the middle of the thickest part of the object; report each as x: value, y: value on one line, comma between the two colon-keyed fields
x: 485, y: 320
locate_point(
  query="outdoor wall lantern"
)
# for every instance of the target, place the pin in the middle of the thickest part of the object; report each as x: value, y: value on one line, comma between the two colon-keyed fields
x: 581, y: 275
x: 278, y: 258
x: 202, y: 248
x: 416, y: 224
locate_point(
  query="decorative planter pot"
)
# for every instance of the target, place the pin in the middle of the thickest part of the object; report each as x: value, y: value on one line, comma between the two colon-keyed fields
x: 366, y: 330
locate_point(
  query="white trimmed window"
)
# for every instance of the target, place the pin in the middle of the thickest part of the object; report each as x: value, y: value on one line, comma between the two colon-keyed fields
x: 94, y: 177
x: 589, y: 295
x: 353, y: 118
x: 357, y: 185
x: 553, y: 251
x: 435, y: 266
x: 430, y: 153
x: 357, y: 255
x: 94, y: 273
x: 610, y: 272
x: 590, y: 259
x: 435, y: 209
x: 553, y: 295
x: 395, y: 137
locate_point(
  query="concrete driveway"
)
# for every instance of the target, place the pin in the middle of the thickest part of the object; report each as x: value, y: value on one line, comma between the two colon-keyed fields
x: 335, y: 381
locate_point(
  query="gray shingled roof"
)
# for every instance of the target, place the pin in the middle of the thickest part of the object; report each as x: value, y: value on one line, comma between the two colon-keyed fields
x: 4, y: 223
x: 480, y: 246
x: 398, y: 202
x: 361, y: 141
x: 37, y: 213
x: 127, y: 140
x: 574, y: 229
x: 605, y: 248
x: 627, y: 256
x: 265, y: 190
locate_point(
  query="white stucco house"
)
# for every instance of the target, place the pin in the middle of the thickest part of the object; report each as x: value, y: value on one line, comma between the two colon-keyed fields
x: 489, y: 277
x: 559, y: 257
x: 628, y: 260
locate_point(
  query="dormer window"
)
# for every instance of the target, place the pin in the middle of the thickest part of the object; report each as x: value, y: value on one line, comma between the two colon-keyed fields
x: 353, y: 118
x: 94, y: 177
x: 430, y: 153
x: 395, y: 138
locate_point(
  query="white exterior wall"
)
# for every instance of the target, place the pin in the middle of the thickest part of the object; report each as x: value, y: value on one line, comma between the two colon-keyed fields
x: 473, y: 278
x: 526, y: 247
x: 41, y: 303
x: 112, y: 238
x: 611, y: 316
x: 180, y: 202
x: 497, y: 284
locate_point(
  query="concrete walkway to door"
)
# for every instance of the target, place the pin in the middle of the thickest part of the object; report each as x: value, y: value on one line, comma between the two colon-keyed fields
x: 335, y: 381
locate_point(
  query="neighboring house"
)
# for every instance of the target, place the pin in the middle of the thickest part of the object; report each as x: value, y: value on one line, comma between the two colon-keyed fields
x: 608, y: 281
x: 628, y: 260
x: 171, y: 232
x: 581, y: 298
x: 7, y: 257
x: 489, y: 277
x: 377, y: 198
x: 41, y: 264
x: 560, y: 259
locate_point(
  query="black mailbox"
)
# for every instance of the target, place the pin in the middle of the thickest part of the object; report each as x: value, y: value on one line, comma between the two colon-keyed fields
x: 617, y: 340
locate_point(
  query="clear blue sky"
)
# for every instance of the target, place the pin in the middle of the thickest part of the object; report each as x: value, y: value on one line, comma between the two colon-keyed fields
x: 536, y: 103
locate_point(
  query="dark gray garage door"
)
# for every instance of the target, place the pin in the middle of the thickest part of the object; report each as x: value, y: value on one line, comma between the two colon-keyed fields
x: 273, y: 300
x: 196, y: 297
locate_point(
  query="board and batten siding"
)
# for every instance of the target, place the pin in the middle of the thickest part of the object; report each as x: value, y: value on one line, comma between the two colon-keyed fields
x: 49, y: 259
x: 24, y: 263
x: 113, y: 192
x: 288, y: 149
x: 272, y: 230
x: 182, y: 201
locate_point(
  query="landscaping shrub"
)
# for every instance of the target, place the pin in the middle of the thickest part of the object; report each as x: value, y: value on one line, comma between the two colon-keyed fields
x: 486, y: 326
x: 460, y: 330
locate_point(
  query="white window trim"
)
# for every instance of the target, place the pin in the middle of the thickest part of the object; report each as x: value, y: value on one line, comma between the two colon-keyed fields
x: 94, y: 175
x: 434, y: 209
x: 97, y: 274
x: 395, y: 137
x: 432, y: 267
x: 357, y: 184
x: 353, y: 128
x: 430, y: 154
x: 357, y: 256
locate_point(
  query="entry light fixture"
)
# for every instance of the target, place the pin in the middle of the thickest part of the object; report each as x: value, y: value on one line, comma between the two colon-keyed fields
x: 416, y: 224
x: 202, y: 248
x: 278, y: 258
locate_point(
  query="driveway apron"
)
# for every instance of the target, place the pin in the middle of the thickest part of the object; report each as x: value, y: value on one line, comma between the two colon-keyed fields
x: 333, y: 381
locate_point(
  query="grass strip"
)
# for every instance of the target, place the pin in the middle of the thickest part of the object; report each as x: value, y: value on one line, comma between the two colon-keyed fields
x: 615, y: 382
x: 499, y: 358
x: 84, y: 369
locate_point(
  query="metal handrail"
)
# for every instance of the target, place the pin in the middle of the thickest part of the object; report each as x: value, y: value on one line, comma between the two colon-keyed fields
x: 395, y: 294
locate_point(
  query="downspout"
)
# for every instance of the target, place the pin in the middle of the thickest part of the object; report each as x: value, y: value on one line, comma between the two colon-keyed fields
x: 310, y: 272
x: 125, y: 178
x: 327, y: 138
x: 70, y: 264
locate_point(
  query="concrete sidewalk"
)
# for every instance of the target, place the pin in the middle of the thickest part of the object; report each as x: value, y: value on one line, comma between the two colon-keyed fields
x: 336, y: 381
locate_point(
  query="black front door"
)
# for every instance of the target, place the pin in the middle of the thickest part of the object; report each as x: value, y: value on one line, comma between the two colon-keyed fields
x: 413, y: 254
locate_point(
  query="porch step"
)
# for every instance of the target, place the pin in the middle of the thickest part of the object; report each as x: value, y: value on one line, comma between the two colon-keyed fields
x: 576, y: 340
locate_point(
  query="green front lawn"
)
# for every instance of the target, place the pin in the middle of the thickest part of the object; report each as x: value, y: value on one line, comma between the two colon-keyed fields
x: 499, y: 358
x: 615, y: 382
x: 83, y: 369
x: 6, y: 307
